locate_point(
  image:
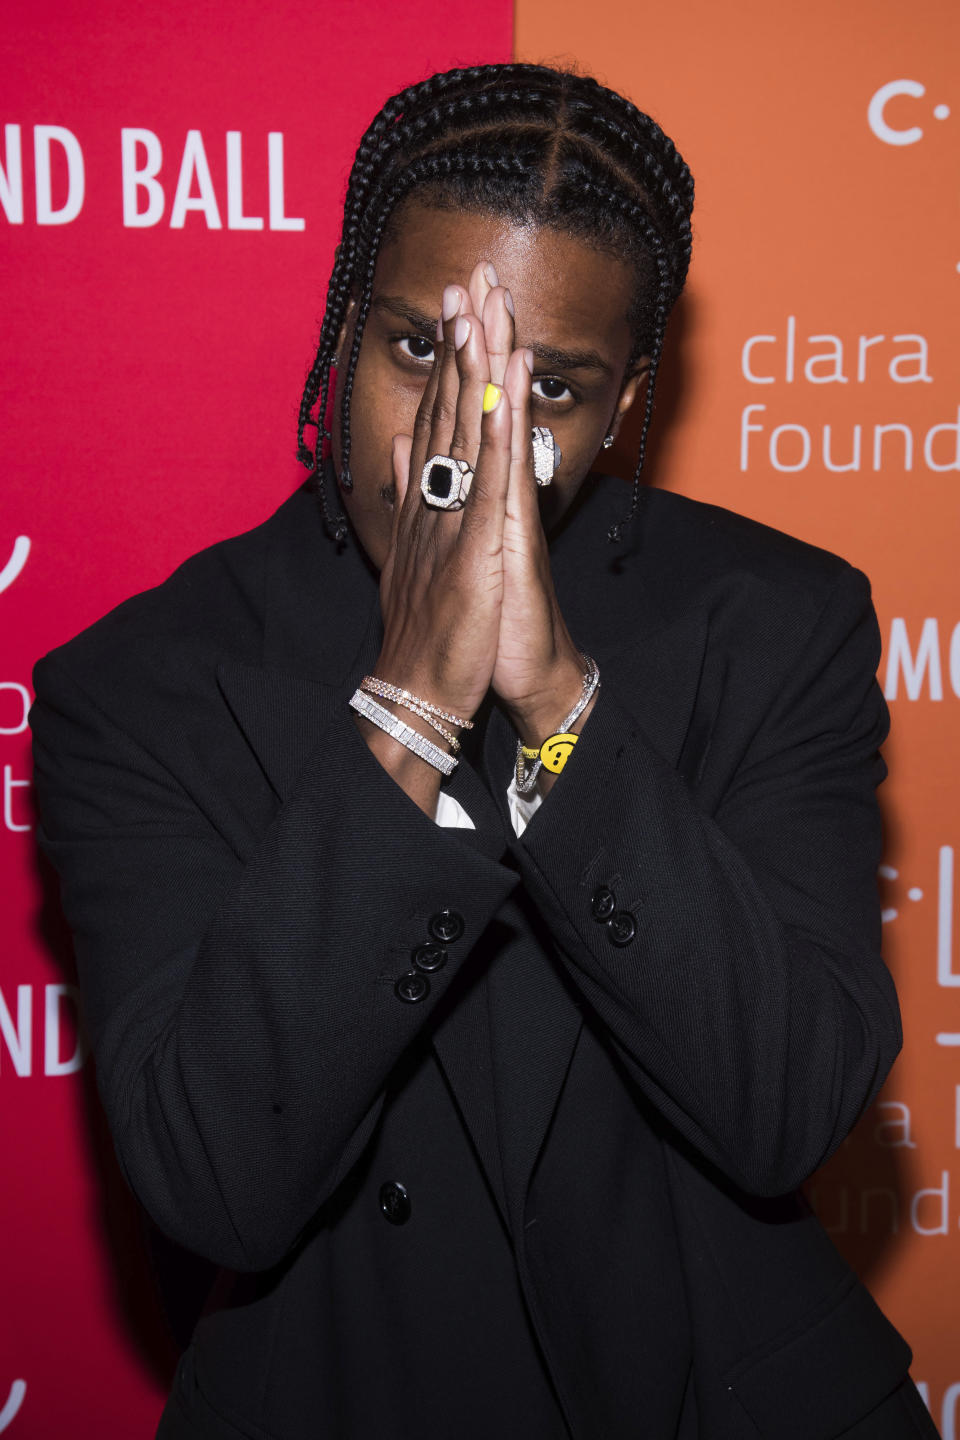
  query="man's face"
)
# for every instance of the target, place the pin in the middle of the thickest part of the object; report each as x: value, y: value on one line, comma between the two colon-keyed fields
x: 571, y: 306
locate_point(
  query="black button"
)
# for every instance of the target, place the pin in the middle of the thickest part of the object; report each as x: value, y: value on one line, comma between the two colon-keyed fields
x: 412, y: 987
x: 395, y: 1202
x: 621, y: 928
x: 429, y: 957
x: 446, y: 925
x: 603, y: 903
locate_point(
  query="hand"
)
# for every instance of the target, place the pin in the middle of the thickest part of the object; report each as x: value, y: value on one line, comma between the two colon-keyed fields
x: 441, y: 586
x: 467, y: 597
x: 539, y: 671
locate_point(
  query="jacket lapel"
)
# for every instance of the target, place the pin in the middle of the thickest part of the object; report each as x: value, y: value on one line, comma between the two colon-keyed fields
x: 506, y: 1048
x: 321, y: 627
x: 534, y: 1016
x: 280, y: 713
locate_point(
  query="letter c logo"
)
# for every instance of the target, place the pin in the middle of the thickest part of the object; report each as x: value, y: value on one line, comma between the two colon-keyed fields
x: 14, y: 1400
x: 10, y: 571
x: 878, y: 103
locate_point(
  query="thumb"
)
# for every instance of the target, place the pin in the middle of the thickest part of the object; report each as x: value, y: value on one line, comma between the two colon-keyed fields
x: 400, y: 463
x: 400, y: 460
x: 402, y: 448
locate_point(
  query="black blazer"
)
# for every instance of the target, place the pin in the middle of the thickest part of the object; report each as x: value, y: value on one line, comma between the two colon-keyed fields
x: 556, y: 1193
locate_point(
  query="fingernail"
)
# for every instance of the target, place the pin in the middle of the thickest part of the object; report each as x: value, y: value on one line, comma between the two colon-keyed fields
x: 491, y: 398
x: 461, y: 332
x: 508, y: 301
x: 528, y: 360
x: 451, y: 302
x: 491, y: 274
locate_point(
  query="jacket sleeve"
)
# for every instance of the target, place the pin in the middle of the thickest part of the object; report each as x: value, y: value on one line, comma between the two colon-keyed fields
x: 243, y: 1010
x: 751, y: 1004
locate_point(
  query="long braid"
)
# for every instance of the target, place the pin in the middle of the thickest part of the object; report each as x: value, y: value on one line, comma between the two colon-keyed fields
x: 666, y: 282
x: 528, y: 142
x: 618, y: 529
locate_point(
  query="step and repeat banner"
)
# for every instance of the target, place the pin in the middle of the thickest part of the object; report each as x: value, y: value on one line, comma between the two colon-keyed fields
x: 815, y: 385
x: 169, y: 190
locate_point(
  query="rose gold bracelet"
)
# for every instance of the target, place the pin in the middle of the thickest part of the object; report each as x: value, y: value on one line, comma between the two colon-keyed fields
x: 375, y: 686
x: 411, y: 703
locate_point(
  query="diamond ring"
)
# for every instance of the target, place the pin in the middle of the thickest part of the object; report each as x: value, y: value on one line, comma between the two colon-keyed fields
x: 546, y: 454
x: 445, y: 482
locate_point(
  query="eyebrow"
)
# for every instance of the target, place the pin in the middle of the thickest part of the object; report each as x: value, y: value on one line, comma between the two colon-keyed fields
x: 415, y: 318
x: 546, y: 354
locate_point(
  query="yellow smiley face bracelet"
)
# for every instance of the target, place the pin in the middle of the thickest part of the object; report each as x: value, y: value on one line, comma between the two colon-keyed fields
x: 557, y: 748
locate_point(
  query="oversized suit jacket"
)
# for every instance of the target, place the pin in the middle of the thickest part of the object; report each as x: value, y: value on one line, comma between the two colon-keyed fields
x: 592, y: 1134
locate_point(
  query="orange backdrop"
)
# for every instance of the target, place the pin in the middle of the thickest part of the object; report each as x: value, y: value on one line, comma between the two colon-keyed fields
x: 814, y: 384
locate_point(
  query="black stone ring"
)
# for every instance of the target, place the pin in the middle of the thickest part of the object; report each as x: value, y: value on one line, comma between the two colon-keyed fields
x: 445, y: 482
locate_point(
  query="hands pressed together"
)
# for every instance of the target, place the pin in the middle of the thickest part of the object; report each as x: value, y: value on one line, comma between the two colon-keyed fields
x: 467, y: 596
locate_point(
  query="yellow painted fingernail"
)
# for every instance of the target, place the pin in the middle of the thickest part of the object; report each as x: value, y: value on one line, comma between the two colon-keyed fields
x: 491, y: 397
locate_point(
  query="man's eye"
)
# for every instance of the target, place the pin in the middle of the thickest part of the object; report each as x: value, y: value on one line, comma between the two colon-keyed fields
x: 416, y: 347
x: 550, y: 388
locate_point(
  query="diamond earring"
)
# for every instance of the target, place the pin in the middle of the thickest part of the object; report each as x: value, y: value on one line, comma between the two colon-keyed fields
x: 607, y: 442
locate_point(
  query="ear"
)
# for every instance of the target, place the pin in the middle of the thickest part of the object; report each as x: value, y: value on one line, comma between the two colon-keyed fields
x: 628, y: 391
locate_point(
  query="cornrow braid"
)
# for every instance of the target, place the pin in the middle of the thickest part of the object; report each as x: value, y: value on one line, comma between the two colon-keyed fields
x: 535, y: 145
x: 386, y: 134
x: 665, y: 285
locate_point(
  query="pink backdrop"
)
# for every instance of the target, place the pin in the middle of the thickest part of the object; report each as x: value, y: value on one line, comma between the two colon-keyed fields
x: 150, y: 388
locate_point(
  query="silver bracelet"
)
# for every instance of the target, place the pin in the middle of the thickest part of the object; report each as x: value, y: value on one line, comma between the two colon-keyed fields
x: 392, y: 725
x: 527, y: 779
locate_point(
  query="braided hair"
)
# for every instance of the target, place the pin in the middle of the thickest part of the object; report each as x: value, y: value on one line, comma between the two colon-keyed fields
x: 532, y: 144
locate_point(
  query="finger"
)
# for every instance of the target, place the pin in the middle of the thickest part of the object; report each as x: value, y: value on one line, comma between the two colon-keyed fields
x: 483, y: 517
x: 498, y: 331
x: 436, y: 439
x: 438, y: 399
x: 402, y: 448
x: 405, y: 503
x: 522, y: 504
x: 458, y: 402
x: 413, y: 522
x: 400, y: 466
x: 444, y: 413
x: 473, y: 369
x: 423, y: 418
x: 482, y: 280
